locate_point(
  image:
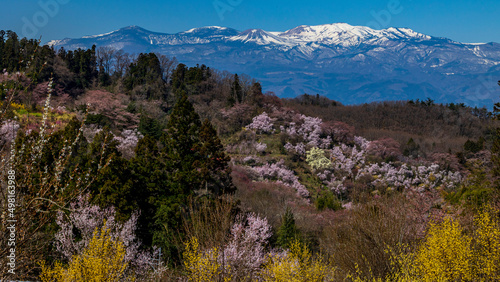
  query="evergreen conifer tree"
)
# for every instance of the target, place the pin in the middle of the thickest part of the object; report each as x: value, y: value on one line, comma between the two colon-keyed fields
x: 236, y: 91
x: 214, y: 163
x: 149, y: 177
x: 181, y: 160
x: 287, y: 232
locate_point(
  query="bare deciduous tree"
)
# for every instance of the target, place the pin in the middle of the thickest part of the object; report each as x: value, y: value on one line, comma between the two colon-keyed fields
x: 167, y: 66
x: 105, y: 57
x: 121, y: 62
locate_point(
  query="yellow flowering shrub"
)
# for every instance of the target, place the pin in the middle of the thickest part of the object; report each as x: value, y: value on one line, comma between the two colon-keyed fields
x: 297, y: 265
x: 448, y: 254
x: 487, y: 245
x: 358, y: 276
x: 102, y: 260
x: 16, y: 106
x: 202, y: 266
x: 445, y: 254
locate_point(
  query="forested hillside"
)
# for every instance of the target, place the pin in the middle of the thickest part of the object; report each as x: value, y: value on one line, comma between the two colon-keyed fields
x: 118, y: 167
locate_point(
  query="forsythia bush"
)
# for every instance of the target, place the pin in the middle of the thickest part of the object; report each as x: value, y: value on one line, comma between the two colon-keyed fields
x: 448, y: 254
x: 487, y: 246
x: 102, y: 260
x: 202, y: 266
x: 297, y: 265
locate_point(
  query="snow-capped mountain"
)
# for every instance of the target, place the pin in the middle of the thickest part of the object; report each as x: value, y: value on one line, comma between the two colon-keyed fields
x: 351, y: 64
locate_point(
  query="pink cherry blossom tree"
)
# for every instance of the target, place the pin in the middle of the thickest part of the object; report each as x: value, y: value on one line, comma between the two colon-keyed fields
x: 262, y: 123
x: 85, y: 218
x: 245, y: 252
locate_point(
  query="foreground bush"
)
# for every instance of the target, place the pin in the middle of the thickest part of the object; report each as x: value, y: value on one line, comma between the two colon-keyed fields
x: 102, y: 260
x: 297, y: 265
x: 449, y: 254
x: 203, y: 266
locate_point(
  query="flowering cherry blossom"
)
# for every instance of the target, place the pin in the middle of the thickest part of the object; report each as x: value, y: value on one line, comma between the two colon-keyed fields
x: 281, y: 174
x: 262, y: 123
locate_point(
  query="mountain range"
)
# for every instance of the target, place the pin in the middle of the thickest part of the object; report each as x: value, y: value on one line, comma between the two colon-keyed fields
x: 350, y: 64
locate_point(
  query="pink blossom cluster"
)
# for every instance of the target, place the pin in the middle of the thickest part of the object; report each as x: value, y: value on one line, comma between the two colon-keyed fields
x: 350, y: 162
x: 340, y: 131
x: 279, y: 172
x: 406, y: 176
x: 346, y: 158
x: 260, y: 147
x: 309, y: 129
x: 384, y: 148
x: 363, y: 143
x: 299, y: 149
x: 128, y: 141
x: 262, y: 123
x: 251, y: 160
x: 8, y: 131
x: 86, y: 218
x: 336, y: 185
x: 245, y: 252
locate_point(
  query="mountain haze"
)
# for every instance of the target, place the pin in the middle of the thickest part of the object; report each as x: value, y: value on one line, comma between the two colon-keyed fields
x: 351, y: 64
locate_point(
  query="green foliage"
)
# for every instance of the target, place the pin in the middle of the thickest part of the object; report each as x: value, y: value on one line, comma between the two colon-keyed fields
x: 214, y: 163
x: 150, y: 127
x: 145, y: 70
x: 412, y: 149
x: 83, y: 63
x: 315, y: 100
x: 475, y: 191
x: 148, y: 173
x: 146, y: 78
x: 236, y: 91
x: 474, y: 147
x: 190, y: 159
x: 287, y: 232
x: 327, y: 200
x: 114, y: 185
x: 98, y: 119
x: 189, y: 79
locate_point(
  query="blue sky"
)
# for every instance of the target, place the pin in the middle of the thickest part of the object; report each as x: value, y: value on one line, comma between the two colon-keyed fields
x: 460, y: 20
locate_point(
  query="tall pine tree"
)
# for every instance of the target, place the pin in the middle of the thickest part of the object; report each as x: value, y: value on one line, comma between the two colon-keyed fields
x: 182, y: 176
x: 236, y: 91
x: 287, y: 232
x: 214, y: 163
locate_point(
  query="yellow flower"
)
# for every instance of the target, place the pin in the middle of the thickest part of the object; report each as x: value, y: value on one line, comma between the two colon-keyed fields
x: 297, y: 265
x: 102, y: 260
x: 202, y: 266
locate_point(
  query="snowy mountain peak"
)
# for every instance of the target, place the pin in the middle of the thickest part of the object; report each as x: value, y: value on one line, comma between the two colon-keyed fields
x: 352, y: 64
x: 347, y: 35
x: 133, y: 28
x: 210, y: 31
x: 406, y: 32
x: 214, y: 27
x: 259, y: 37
